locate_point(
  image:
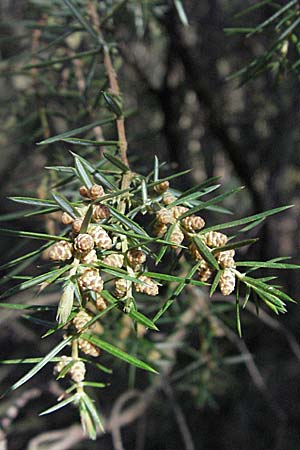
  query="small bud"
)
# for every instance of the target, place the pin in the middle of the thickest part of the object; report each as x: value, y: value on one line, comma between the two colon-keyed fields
x: 61, y: 251
x: 77, y: 371
x: 162, y: 187
x: 84, y: 191
x: 225, y: 259
x: 114, y: 260
x: 80, y: 320
x: 164, y: 216
x: 215, y: 239
x: 177, y: 211
x: 84, y: 242
x: 101, y: 238
x: 148, y: 286
x: 120, y: 287
x: 160, y: 229
x: 65, y: 303
x: 89, y: 258
x: 96, y: 191
x: 177, y: 236
x: 97, y: 285
x: 136, y: 258
x: 193, y: 250
x: 88, y: 348
x: 204, y: 272
x: 168, y: 198
x: 193, y: 223
x: 91, y: 280
x: 100, y: 303
x: 100, y: 212
x: 64, y: 361
x: 227, y: 282
x: 66, y: 219
x: 76, y: 225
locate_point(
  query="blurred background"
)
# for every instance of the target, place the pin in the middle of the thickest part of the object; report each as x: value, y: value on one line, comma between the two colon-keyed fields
x: 182, y: 107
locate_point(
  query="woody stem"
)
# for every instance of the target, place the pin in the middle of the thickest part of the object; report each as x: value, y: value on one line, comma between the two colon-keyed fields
x: 113, y: 82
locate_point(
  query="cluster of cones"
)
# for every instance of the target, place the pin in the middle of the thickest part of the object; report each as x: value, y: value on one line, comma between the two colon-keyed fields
x: 75, y: 368
x: 184, y: 226
x: 95, y: 246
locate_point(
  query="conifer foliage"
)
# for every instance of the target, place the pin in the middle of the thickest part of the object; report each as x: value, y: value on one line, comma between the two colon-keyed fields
x: 127, y: 243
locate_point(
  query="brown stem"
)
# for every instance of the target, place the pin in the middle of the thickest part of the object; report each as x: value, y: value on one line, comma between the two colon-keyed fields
x: 78, y: 70
x: 122, y: 140
x: 115, y: 89
x: 113, y: 83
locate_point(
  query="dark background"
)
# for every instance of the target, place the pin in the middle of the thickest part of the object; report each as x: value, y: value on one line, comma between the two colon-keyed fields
x: 190, y: 115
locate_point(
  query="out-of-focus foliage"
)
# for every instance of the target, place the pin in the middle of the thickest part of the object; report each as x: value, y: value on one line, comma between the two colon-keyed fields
x: 283, y: 54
